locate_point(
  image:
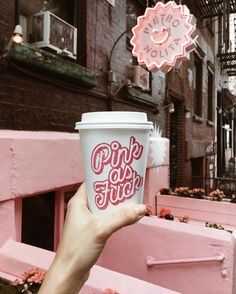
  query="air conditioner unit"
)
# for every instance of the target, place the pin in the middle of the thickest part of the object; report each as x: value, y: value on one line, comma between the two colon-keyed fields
x: 46, y: 30
x: 138, y: 76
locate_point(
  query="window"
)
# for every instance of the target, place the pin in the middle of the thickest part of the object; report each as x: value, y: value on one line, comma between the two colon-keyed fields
x: 210, y: 96
x: 133, y: 9
x: 197, y: 172
x: 197, y: 85
x: 38, y: 220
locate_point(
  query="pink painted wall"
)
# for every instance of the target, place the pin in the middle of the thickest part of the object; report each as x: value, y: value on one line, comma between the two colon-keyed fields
x: 25, y: 156
x: 126, y: 252
x: 7, y: 221
x: 35, y: 162
x: 32, y: 162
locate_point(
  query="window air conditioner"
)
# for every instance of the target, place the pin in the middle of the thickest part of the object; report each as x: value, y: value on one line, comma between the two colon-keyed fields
x: 139, y: 77
x: 46, y: 30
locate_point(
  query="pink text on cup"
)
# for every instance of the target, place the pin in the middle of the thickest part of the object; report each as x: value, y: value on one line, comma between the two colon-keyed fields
x: 122, y: 181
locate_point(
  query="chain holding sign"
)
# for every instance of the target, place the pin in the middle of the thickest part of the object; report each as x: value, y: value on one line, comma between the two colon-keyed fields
x: 164, y: 36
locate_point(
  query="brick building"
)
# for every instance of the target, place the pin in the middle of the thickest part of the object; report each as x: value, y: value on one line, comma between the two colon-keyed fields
x: 42, y: 90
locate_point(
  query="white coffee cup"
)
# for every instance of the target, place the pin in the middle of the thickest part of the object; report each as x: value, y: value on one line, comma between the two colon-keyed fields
x: 114, y: 148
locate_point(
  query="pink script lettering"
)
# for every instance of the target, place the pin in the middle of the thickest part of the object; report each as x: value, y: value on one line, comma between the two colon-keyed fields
x: 123, y: 181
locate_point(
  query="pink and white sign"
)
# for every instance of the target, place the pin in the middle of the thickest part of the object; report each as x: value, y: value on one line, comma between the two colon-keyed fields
x: 163, y: 36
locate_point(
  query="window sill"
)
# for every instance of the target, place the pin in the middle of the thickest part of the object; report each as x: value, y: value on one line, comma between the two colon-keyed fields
x: 198, y: 119
x: 210, y: 123
x: 52, y: 65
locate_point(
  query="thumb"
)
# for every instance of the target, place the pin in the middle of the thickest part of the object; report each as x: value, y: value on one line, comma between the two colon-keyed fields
x: 124, y: 216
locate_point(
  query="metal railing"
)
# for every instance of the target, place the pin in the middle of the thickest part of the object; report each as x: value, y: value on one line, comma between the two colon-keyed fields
x: 150, y: 261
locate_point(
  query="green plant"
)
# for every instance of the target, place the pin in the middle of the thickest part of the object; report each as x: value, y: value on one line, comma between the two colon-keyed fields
x: 7, y: 288
x: 165, y: 191
x: 184, y: 219
x: 183, y: 191
x: 166, y: 214
x: 233, y: 199
x: 214, y: 226
x: 198, y: 193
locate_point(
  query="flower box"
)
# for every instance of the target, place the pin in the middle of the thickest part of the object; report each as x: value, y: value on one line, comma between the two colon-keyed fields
x: 199, y: 210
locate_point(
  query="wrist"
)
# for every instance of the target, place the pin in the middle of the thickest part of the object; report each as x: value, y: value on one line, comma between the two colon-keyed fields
x: 61, y: 278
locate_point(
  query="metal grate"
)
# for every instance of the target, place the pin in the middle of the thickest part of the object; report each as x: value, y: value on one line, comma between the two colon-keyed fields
x: 210, y: 8
x: 228, y: 62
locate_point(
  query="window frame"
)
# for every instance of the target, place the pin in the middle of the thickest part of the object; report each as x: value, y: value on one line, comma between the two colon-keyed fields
x: 210, y: 95
x: 59, y: 213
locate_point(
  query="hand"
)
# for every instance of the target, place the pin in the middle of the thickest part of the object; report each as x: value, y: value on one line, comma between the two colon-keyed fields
x: 82, y: 242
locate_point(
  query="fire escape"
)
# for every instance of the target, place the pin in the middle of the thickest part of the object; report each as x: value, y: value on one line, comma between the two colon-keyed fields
x: 221, y: 9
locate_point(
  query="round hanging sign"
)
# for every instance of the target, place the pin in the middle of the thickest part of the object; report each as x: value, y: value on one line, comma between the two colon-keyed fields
x: 164, y: 36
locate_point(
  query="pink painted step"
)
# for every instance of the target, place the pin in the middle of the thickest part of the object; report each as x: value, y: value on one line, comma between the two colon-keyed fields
x: 16, y: 258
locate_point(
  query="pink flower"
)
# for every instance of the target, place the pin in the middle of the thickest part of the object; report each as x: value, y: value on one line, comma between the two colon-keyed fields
x: 16, y: 282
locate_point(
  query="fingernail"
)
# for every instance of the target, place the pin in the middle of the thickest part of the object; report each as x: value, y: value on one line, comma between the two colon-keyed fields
x: 141, y: 209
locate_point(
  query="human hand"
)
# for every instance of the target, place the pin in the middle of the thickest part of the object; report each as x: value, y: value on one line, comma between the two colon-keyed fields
x: 83, y: 240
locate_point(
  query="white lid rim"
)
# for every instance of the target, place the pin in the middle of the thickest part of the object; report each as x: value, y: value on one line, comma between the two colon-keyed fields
x: 148, y: 126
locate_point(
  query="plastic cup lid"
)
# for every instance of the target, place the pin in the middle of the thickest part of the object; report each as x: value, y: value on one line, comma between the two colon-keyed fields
x: 113, y: 119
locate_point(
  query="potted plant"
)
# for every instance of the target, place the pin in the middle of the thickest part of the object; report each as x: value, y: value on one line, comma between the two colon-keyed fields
x: 216, y: 195
x: 198, y: 193
x: 30, y: 282
x: 166, y: 214
x: 165, y: 191
x: 233, y: 199
x: 183, y: 191
x: 184, y: 219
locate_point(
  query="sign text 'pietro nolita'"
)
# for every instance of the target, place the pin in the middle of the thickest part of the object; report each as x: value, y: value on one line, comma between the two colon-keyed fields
x: 163, y: 36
